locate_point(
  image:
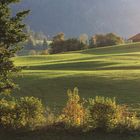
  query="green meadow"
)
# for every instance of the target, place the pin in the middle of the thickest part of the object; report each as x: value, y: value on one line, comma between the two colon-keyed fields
x: 108, y: 71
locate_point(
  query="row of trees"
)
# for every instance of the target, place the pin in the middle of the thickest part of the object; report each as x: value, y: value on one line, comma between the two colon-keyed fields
x: 60, y: 44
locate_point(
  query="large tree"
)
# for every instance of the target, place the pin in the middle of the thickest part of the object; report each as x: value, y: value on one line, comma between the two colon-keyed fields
x: 101, y: 40
x: 11, y: 36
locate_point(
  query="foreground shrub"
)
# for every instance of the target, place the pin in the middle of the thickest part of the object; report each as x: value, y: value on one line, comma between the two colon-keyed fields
x: 105, y: 113
x: 30, y: 112
x: 7, y: 113
x: 129, y: 123
x: 27, y: 112
x: 74, y: 113
x: 98, y: 114
x: 51, y: 116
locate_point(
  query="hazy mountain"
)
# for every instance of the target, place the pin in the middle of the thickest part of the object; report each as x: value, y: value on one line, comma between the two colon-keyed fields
x: 75, y: 17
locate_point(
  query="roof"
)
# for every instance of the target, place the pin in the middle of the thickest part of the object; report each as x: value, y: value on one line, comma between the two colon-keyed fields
x: 135, y: 37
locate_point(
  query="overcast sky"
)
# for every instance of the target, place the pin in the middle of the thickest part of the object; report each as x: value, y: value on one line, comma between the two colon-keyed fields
x: 74, y: 17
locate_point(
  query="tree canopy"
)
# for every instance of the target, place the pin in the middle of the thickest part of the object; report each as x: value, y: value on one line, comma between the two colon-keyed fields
x: 101, y: 40
x: 60, y: 44
x: 11, y: 35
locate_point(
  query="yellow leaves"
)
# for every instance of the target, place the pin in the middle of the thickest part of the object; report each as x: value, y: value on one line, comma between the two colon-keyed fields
x: 74, y: 112
x: 105, y: 113
x: 73, y: 95
x: 78, y: 121
x: 24, y: 112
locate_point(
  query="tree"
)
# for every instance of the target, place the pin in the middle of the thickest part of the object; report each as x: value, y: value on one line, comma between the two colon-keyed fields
x: 101, y: 40
x: 57, y: 42
x: 71, y: 44
x: 11, y: 35
x: 92, y: 42
x: 113, y: 39
x: 59, y: 37
x: 83, y: 38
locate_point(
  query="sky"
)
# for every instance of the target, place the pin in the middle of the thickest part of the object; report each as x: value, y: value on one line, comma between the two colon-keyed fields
x: 75, y: 17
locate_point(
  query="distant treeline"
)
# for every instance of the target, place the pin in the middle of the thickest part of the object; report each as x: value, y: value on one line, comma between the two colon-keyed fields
x: 38, y: 43
x: 60, y: 44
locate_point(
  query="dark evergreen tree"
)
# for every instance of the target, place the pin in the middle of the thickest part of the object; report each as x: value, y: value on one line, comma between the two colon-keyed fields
x: 11, y: 36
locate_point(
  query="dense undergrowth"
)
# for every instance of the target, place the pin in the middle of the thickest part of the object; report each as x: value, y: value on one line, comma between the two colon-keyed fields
x: 98, y: 114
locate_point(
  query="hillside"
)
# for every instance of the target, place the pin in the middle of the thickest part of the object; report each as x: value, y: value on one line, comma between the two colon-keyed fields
x: 110, y: 71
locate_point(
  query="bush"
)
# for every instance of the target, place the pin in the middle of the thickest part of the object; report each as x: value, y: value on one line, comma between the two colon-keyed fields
x: 30, y: 112
x: 27, y: 112
x: 73, y: 113
x: 7, y: 113
x: 99, y: 114
x: 105, y: 113
x: 51, y: 116
x: 128, y: 123
x: 32, y: 52
x: 44, y: 52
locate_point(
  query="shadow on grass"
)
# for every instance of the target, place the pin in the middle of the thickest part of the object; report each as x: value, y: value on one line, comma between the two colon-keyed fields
x: 91, y: 65
x: 51, y: 87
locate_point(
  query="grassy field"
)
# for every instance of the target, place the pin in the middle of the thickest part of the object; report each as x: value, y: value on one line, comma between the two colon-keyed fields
x: 110, y: 71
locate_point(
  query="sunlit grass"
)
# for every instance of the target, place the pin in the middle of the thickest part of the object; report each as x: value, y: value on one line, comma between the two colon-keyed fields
x: 109, y: 71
